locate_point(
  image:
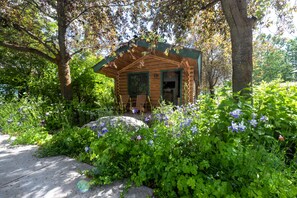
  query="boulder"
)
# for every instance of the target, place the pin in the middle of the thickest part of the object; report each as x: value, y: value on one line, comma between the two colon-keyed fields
x: 129, y: 123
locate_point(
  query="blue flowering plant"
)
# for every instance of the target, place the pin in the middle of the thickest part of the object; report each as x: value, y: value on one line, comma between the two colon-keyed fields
x: 23, y: 119
x: 214, y: 147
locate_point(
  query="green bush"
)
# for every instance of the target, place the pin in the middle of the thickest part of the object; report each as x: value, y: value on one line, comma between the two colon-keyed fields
x: 72, y: 142
x: 24, y: 119
x: 213, y: 148
x: 31, y: 120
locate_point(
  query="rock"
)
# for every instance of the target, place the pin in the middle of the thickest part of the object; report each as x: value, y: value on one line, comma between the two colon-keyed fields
x: 129, y: 123
x: 139, y: 192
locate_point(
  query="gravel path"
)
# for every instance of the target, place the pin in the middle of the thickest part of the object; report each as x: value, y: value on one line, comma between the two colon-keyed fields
x: 22, y: 175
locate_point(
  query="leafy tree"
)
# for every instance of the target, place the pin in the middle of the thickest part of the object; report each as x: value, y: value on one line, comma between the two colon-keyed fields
x: 292, y: 54
x: 270, y: 58
x: 21, y: 72
x: 56, y: 30
x: 216, y: 62
x: 89, y: 87
x: 176, y: 17
x: 216, y: 57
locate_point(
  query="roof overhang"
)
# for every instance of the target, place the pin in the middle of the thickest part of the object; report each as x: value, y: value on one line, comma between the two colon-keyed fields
x: 140, y: 45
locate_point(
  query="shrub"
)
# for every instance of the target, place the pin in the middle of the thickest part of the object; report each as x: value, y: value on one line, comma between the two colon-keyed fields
x: 24, y: 119
x: 213, y: 148
x: 72, y: 142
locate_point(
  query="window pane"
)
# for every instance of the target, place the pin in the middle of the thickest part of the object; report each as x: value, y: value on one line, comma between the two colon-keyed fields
x: 138, y: 84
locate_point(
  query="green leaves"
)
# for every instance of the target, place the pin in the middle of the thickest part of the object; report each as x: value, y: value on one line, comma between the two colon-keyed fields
x: 271, y: 60
x: 214, y: 162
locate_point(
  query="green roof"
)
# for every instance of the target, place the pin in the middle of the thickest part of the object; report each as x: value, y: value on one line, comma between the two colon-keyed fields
x: 162, y: 47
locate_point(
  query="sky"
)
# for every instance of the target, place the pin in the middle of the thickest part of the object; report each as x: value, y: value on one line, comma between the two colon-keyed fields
x: 273, y: 29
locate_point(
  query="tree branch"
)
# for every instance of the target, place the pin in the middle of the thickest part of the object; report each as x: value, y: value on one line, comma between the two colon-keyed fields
x: 29, y: 50
x: 209, y: 5
x: 34, y: 3
x: 76, y: 52
x: 113, y: 4
x: 18, y: 27
x: 76, y: 17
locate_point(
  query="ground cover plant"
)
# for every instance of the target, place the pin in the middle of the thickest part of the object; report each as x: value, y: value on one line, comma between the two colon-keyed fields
x: 24, y: 119
x: 213, y: 148
x: 34, y: 121
x: 216, y: 147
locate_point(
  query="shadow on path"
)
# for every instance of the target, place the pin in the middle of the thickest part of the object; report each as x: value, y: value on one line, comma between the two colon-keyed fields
x: 24, y: 175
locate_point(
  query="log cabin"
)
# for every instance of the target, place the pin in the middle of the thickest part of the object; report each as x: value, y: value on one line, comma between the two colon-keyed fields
x: 154, y: 69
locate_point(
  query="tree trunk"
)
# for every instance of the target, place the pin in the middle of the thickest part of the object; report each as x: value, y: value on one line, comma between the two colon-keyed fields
x: 65, y: 80
x: 211, y: 90
x: 241, y: 26
x: 63, y: 57
x: 211, y: 83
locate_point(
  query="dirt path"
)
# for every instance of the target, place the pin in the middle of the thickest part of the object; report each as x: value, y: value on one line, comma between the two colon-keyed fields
x: 22, y: 176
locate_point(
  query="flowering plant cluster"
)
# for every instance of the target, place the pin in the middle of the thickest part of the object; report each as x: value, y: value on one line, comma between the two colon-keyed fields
x: 189, y: 151
x: 238, y: 124
x: 215, y: 147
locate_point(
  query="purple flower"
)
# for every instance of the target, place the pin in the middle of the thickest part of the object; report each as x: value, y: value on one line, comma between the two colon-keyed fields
x: 253, y: 122
x: 93, y: 127
x: 241, y: 126
x: 138, y: 137
x: 158, y: 117
x: 186, y: 123
x: 99, y: 134
x: 161, y: 117
x: 264, y: 119
x: 151, y: 142
x: 236, y: 113
x: 165, y: 117
x: 166, y: 123
x: 104, y: 130
x: 194, y: 129
x: 134, y: 110
x: 102, y: 124
x: 233, y: 127
x: 87, y: 149
x: 147, y: 119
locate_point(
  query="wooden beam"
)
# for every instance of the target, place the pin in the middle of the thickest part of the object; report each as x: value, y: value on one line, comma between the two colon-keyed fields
x: 132, y: 64
x: 152, y: 57
x: 165, y: 59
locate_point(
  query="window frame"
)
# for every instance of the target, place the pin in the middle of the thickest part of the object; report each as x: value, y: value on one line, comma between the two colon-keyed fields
x: 130, y: 74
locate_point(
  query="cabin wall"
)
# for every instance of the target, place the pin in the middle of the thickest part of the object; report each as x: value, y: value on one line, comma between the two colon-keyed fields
x: 155, y: 68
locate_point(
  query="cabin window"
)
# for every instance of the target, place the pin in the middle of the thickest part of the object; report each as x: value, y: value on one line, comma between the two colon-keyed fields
x: 138, y: 84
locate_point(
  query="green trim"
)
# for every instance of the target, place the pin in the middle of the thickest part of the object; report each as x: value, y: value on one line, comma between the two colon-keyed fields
x: 180, y: 83
x: 109, y: 59
x: 133, y: 73
x: 162, y: 47
x: 199, y: 65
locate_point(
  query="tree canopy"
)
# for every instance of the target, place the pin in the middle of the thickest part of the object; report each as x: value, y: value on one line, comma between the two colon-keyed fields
x: 57, y: 30
x: 271, y: 59
x: 238, y: 16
